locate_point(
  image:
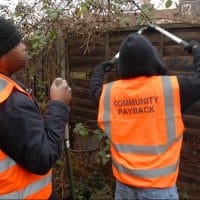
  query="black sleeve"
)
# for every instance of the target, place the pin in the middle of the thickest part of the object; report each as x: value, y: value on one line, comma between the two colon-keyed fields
x: 32, y: 141
x: 96, y: 84
x: 190, y: 85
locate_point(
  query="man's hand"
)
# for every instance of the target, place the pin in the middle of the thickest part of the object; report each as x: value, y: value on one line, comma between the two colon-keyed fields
x: 106, y: 66
x: 60, y: 91
x: 192, y: 45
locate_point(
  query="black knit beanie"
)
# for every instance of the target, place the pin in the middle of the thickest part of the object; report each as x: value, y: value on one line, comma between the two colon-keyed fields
x: 9, y: 36
x: 138, y: 57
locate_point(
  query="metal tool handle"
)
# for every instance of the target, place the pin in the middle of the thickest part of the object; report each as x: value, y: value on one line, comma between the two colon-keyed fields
x: 116, y: 57
x: 161, y: 30
x: 170, y: 35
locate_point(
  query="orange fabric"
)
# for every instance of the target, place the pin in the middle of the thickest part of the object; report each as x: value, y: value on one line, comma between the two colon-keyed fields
x: 9, y: 87
x: 20, y: 179
x: 138, y: 117
x: 2, y: 155
x: 16, y: 178
x: 4, y: 94
x: 42, y: 194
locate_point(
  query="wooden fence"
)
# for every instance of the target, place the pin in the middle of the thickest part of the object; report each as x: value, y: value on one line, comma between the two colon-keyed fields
x: 77, y: 68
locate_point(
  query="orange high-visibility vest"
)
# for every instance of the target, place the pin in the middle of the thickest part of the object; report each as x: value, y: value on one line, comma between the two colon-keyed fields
x: 142, y: 117
x: 15, y: 181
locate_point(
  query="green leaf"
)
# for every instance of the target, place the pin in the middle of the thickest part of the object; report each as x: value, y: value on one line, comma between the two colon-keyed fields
x: 59, y: 162
x: 97, y: 134
x: 108, y: 142
x: 84, y: 7
x: 81, y: 129
x: 185, y: 193
x: 168, y: 3
x: 52, y: 13
x: 84, y: 10
x: 53, y: 16
x: 53, y: 35
x: 124, y: 21
x: 140, y: 19
x: 102, y: 153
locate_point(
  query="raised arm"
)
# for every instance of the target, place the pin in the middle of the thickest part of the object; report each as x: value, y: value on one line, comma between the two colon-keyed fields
x: 97, y: 79
x: 190, y: 85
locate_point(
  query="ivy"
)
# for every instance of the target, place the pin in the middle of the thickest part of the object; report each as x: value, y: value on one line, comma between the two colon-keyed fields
x: 148, y: 10
x: 104, y: 153
x: 168, y: 3
x: 81, y: 129
x: 53, y: 13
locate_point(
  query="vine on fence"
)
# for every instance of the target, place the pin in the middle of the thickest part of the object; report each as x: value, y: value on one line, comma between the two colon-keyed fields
x: 104, y: 148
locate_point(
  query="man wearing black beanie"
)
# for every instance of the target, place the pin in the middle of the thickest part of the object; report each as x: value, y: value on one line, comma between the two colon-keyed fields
x: 29, y: 143
x: 141, y: 113
x: 9, y: 36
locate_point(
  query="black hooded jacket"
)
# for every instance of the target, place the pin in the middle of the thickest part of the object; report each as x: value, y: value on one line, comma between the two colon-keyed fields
x: 138, y: 57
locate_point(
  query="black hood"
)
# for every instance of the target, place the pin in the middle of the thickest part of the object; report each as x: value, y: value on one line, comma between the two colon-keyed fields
x: 138, y: 57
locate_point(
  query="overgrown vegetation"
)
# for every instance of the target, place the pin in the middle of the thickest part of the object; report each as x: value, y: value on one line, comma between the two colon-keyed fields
x: 93, y: 187
x: 43, y: 21
x: 104, y: 143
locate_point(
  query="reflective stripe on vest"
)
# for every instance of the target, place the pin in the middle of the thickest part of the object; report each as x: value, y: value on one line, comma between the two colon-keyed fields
x: 2, y: 84
x: 6, y: 163
x: 145, y: 149
x: 106, y: 112
x: 171, y: 136
x: 143, y: 173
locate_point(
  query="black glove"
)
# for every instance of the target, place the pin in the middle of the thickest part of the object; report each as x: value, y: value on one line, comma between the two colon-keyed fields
x: 192, y: 45
x: 106, y: 66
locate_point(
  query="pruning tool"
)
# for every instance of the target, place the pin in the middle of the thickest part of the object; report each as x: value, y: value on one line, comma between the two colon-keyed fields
x: 162, y: 31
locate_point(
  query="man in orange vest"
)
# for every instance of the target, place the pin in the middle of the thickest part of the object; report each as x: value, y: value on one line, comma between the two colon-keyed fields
x: 141, y: 113
x: 29, y: 143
